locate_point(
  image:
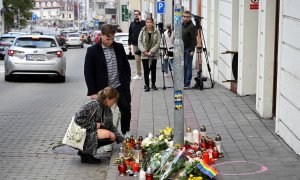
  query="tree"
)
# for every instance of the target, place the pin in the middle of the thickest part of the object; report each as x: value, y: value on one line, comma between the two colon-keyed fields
x: 20, y: 9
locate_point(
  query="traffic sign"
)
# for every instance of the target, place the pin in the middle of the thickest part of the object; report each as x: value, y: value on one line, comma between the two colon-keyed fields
x: 96, y: 22
x: 34, y: 17
x: 160, y: 7
x: 124, y: 13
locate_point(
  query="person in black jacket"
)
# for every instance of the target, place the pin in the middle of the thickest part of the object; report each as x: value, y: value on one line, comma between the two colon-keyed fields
x: 134, y: 31
x: 106, y: 64
x: 189, y: 37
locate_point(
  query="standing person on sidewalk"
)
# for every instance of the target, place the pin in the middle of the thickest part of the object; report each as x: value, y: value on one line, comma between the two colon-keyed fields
x: 97, y: 118
x: 106, y: 64
x: 134, y: 30
x: 189, y: 38
x: 149, y: 41
x: 169, y: 37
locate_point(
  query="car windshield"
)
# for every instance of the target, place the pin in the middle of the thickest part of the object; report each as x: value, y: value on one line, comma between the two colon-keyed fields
x: 121, y: 39
x: 73, y: 35
x: 7, y: 39
x: 28, y: 42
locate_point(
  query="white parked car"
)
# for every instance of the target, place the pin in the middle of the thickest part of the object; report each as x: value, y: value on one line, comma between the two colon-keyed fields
x: 123, y: 39
x: 35, y: 55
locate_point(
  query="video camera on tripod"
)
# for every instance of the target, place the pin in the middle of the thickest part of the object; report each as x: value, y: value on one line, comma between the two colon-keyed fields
x: 199, y: 78
x: 160, y: 26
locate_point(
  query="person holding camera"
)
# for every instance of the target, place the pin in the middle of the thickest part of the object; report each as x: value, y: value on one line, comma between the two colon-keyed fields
x: 134, y: 31
x: 149, y: 42
x: 189, y: 37
x: 169, y: 37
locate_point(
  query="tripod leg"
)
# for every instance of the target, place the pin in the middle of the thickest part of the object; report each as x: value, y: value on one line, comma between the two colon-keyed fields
x: 206, y: 58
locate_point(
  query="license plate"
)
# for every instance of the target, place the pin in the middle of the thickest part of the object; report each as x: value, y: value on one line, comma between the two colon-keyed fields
x: 35, y: 58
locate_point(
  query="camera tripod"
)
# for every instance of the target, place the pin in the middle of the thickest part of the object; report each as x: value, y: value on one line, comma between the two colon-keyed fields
x: 162, y: 52
x: 199, y: 78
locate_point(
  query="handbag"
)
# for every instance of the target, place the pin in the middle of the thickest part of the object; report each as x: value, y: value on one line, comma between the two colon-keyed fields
x: 138, y: 52
x: 170, y: 53
x: 75, y: 135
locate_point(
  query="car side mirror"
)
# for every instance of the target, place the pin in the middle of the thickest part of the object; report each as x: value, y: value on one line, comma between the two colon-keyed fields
x: 64, y: 48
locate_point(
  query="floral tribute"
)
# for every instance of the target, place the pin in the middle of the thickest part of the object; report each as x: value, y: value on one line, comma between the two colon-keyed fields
x: 156, y: 157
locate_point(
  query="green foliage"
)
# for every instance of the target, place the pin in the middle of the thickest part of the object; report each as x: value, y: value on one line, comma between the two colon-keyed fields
x: 11, y: 9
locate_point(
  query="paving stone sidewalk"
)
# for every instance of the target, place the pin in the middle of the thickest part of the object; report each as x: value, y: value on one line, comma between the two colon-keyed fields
x: 252, y: 150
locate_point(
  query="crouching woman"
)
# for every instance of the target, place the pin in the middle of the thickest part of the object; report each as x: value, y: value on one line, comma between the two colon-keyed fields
x: 97, y: 118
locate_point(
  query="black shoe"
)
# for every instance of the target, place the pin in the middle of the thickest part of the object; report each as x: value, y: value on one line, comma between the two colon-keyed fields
x: 154, y: 87
x: 86, y: 158
x: 79, y: 153
x: 147, y: 89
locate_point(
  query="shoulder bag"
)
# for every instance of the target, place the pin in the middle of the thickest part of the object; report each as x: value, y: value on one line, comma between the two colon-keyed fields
x: 75, y: 135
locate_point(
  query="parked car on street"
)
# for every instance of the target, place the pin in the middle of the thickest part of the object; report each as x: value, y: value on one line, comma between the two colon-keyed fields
x: 35, y: 55
x: 123, y: 39
x: 74, y: 39
x: 6, y: 41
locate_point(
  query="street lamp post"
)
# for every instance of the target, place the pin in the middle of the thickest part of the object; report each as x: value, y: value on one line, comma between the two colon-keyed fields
x: 178, y: 75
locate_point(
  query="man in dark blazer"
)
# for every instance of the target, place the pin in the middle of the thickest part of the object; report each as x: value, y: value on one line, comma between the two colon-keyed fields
x: 106, y: 64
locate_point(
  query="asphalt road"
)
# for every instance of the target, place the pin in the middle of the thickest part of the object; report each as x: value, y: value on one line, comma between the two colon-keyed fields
x: 34, y: 114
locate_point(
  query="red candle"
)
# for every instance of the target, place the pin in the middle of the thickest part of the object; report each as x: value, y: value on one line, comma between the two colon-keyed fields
x: 211, y: 160
x: 215, y: 153
x: 203, y: 145
x: 122, y: 169
x: 205, y: 157
x: 135, y: 167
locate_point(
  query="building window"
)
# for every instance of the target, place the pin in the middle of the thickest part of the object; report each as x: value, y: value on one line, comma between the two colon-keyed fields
x: 63, y: 16
x: 70, y: 16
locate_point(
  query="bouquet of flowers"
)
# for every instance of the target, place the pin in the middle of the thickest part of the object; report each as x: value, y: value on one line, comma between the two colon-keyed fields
x: 175, y: 166
x: 152, y: 146
x: 166, y: 157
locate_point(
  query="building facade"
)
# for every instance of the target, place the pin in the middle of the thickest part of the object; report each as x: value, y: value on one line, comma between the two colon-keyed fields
x: 254, y: 49
x: 54, y: 12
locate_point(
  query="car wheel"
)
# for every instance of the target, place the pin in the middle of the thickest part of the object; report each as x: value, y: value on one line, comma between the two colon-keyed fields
x: 8, y: 78
x: 61, y: 78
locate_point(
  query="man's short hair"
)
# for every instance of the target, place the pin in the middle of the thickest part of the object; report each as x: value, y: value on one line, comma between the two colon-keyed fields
x: 137, y: 11
x: 108, y: 29
x: 187, y: 12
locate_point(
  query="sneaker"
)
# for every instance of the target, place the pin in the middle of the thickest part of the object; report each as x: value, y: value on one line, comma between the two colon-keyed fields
x: 137, y: 77
x: 166, y: 75
x: 187, y: 87
x: 107, y: 148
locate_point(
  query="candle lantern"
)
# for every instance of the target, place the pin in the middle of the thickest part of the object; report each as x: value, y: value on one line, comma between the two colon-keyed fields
x: 132, y: 141
x: 122, y: 167
x: 210, y: 143
x: 205, y: 157
x: 136, y: 168
x: 203, y: 131
x: 195, y: 136
x: 215, y: 153
x: 137, y: 153
x: 218, y: 141
x: 203, y: 142
x: 140, y: 139
x: 121, y: 152
x: 189, y: 135
x: 149, y: 174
